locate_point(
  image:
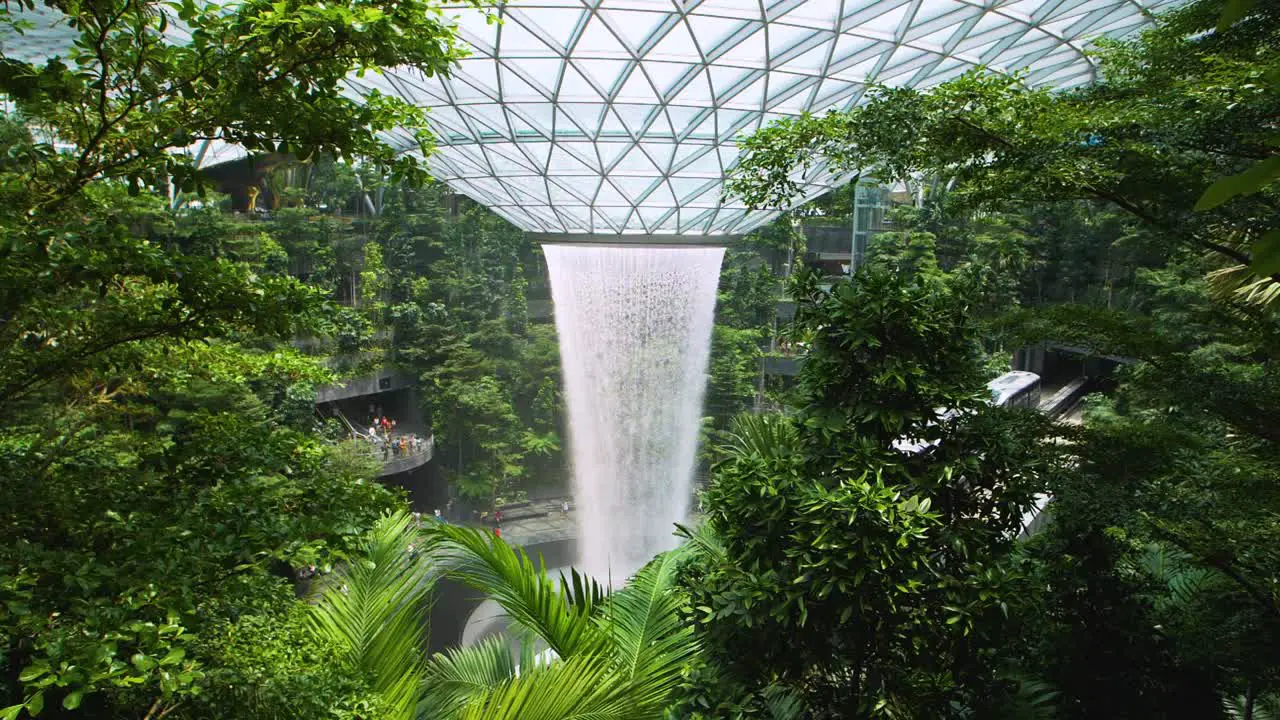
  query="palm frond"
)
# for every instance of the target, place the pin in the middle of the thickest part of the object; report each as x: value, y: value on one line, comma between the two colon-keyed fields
x: 703, y: 541
x: 461, y: 674
x: 764, y: 436
x: 1035, y: 700
x: 1159, y: 562
x: 555, y: 611
x: 651, y: 642
x: 1238, y: 283
x: 582, y: 688
x: 1189, y: 582
x: 783, y: 703
x: 1180, y: 580
x: 1266, y: 707
x: 374, y: 608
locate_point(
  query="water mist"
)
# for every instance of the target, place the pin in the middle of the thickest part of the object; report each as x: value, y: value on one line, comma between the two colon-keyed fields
x: 635, y: 336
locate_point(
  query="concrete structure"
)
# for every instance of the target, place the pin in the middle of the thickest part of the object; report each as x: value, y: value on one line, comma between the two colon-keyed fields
x: 384, y: 380
x: 393, y: 393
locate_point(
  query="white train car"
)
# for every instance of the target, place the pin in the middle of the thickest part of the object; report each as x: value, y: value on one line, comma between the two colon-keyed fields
x: 1012, y: 389
x: 1016, y: 389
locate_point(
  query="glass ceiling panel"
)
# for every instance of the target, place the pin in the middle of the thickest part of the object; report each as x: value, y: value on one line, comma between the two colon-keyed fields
x: 557, y: 23
x: 598, y: 40
x: 677, y: 44
x: 577, y: 51
x: 634, y: 26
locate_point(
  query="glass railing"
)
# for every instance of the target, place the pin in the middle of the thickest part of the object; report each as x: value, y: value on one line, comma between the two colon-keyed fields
x: 399, y: 451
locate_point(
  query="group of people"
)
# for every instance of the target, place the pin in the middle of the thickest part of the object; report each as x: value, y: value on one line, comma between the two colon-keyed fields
x: 485, y: 518
x: 398, y: 445
x: 383, y: 436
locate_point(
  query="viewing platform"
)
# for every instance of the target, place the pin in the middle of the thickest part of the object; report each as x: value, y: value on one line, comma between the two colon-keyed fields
x: 415, y: 455
x: 405, y: 443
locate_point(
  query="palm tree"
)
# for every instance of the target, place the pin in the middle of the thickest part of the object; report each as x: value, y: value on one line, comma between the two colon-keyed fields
x: 610, y: 657
x: 373, y: 609
x: 617, y: 656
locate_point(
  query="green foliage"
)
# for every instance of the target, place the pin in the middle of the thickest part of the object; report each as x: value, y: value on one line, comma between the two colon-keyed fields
x: 1152, y: 592
x: 161, y: 473
x: 868, y: 577
x: 733, y: 372
x: 263, y: 75
x: 1158, y: 564
x: 371, y: 612
x: 146, y: 512
x: 490, y: 377
x: 615, y: 656
x: 275, y: 667
x: 1248, y: 182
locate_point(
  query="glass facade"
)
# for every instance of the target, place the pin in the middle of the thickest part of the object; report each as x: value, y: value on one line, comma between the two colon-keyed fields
x: 870, y: 203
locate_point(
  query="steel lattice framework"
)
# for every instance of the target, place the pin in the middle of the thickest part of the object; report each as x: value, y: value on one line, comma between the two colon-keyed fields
x: 620, y: 116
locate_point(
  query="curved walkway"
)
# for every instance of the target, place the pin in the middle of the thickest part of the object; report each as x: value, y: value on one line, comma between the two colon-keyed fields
x: 553, y: 527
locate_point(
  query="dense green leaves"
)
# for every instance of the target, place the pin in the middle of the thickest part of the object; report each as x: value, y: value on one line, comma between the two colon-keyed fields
x: 264, y: 75
x: 859, y: 548
x: 372, y: 610
x: 457, y: 301
x: 612, y: 656
x: 1257, y: 176
x: 161, y: 474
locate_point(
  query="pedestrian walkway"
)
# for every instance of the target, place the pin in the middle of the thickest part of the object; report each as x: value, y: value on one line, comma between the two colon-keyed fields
x: 554, y: 526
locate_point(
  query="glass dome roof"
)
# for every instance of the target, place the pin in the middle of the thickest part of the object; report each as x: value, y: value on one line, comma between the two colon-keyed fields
x: 619, y: 116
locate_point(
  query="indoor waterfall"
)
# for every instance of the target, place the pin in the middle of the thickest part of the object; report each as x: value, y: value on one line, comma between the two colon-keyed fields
x: 635, y: 335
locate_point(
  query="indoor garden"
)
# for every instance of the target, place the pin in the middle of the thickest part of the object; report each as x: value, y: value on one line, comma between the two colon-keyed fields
x: 649, y: 360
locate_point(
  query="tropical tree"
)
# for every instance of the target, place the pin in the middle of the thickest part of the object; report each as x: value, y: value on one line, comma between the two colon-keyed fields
x: 1120, y: 187
x: 161, y: 480
x: 461, y: 321
x: 864, y: 541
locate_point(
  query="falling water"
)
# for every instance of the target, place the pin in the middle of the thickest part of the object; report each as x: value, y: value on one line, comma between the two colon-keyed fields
x: 635, y: 334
